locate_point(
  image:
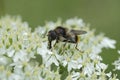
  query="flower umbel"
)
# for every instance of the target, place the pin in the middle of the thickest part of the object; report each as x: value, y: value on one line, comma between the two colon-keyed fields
x: 24, y: 54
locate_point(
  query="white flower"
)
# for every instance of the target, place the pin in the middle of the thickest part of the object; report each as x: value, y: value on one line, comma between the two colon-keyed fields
x: 96, y: 49
x: 75, y: 75
x: 10, y: 52
x: 108, y: 43
x: 51, y: 24
x: 20, y: 56
x: 101, y: 66
x: 15, y: 77
x: 89, y: 69
x: 40, y: 30
x: 117, y: 64
x: 95, y: 57
x: 52, y: 58
x: 75, y: 22
x: 70, y: 62
x: 94, y: 53
x: 2, y: 50
x: 5, y: 60
x: 43, y: 51
x: 109, y: 74
x: 79, y: 63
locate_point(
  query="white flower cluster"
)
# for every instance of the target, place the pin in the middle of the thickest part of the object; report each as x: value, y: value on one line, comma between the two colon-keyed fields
x: 117, y: 63
x: 24, y: 54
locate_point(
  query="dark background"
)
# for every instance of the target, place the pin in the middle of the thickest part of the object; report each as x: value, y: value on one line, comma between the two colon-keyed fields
x: 103, y: 15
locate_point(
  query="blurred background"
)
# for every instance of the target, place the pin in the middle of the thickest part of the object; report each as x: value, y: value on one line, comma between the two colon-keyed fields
x: 103, y: 15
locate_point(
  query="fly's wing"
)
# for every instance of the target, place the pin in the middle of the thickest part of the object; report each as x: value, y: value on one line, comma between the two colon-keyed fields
x: 78, y: 32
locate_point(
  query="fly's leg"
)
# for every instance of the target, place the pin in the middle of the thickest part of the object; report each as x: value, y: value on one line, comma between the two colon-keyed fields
x: 64, y: 45
x: 76, y: 47
x: 49, y: 45
x: 55, y: 43
x: 63, y: 48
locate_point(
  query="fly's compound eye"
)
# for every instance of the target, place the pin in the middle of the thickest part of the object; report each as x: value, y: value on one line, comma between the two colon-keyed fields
x: 52, y: 35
